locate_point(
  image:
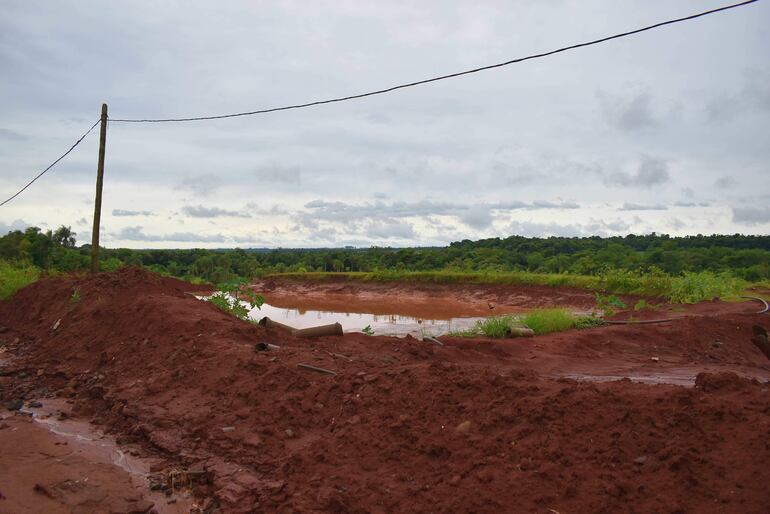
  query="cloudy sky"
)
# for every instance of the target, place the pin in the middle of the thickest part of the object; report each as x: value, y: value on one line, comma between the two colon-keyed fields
x: 667, y: 131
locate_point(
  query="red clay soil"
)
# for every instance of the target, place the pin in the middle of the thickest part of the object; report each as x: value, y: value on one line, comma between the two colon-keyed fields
x: 404, y: 425
x: 429, y: 301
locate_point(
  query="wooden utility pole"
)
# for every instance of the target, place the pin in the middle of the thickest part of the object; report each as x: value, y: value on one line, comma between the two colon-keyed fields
x: 98, y: 201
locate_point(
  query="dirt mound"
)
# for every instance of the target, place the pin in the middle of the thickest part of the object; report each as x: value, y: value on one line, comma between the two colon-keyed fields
x: 723, y: 381
x: 403, y: 425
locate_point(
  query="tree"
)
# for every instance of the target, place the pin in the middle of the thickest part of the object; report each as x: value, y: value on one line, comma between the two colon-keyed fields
x: 64, y: 236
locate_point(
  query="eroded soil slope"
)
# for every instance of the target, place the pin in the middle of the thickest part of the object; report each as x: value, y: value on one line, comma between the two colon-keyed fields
x: 404, y: 425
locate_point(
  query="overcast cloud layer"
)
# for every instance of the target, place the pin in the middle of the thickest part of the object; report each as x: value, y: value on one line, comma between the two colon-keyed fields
x: 667, y: 131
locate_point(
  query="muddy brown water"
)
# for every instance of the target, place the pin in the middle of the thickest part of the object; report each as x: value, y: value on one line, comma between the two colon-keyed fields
x: 93, y: 446
x: 388, y: 324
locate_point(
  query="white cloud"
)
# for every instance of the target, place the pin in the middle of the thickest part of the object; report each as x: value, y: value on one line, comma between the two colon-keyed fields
x: 199, y: 211
x: 532, y: 143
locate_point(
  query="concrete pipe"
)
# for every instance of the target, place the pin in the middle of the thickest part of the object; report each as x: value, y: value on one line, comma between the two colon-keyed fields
x: 268, y: 323
x: 335, y: 329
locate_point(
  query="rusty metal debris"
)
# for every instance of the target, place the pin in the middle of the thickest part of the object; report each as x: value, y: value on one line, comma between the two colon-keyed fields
x: 269, y: 323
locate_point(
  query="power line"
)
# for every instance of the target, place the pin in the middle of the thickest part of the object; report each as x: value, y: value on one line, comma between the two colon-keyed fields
x: 442, y: 77
x: 387, y: 90
x: 52, y: 164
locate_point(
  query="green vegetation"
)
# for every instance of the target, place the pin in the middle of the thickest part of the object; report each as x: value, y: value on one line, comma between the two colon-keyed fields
x: 368, y: 330
x: 608, y: 304
x: 685, y: 269
x: 705, y: 285
x: 541, y: 321
x: 587, y: 322
x: 232, y: 296
x: 13, y: 278
x: 545, y: 321
x: 679, y: 289
x: 495, y: 327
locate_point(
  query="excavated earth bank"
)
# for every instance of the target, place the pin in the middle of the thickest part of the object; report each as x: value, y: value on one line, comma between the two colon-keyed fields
x: 404, y: 425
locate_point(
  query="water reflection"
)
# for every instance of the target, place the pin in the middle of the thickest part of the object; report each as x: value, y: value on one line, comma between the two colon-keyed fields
x: 382, y: 324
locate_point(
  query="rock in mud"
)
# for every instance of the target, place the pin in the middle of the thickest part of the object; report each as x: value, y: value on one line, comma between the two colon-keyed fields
x: 760, y: 340
x: 722, y: 381
x: 16, y: 404
x: 464, y: 427
x: 34, y: 404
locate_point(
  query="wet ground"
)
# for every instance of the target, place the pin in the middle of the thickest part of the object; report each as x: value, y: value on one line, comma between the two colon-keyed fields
x: 53, y: 463
x: 591, y: 420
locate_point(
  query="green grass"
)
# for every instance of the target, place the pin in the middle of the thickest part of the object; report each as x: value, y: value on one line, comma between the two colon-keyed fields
x: 451, y: 277
x: 545, y: 321
x: 495, y: 328
x: 687, y: 288
x: 14, y: 277
x: 541, y: 321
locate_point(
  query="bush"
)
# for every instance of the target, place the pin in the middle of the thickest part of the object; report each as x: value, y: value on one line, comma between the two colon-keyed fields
x: 545, y: 321
x: 587, y: 322
x: 705, y: 285
x: 14, y: 277
x: 237, y: 299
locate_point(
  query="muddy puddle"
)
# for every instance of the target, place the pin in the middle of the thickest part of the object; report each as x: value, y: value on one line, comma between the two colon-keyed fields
x: 382, y: 324
x: 92, y: 447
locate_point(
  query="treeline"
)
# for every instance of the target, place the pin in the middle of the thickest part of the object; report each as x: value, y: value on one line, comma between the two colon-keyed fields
x: 747, y: 257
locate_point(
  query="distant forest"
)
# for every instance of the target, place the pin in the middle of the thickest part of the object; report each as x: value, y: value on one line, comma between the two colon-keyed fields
x: 747, y: 257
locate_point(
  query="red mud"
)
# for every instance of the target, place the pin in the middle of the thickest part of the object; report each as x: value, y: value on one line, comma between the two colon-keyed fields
x: 47, y: 472
x: 404, y: 426
x: 428, y: 301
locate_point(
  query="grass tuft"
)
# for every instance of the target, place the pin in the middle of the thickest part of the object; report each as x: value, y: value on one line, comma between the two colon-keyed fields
x: 545, y: 321
x: 495, y: 328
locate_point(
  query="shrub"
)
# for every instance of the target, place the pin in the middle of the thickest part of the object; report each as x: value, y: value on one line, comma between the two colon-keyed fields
x: 236, y: 299
x: 14, y: 277
x: 587, y: 322
x: 545, y: 321
x: 704, y: 285
x: 608, y: 304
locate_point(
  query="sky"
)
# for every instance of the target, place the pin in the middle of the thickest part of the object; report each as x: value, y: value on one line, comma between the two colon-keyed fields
x: 667, y: 131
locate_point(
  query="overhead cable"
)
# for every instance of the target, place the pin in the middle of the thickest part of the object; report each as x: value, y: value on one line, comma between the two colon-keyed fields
x: 52, y: 164
x: 442, y: 77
